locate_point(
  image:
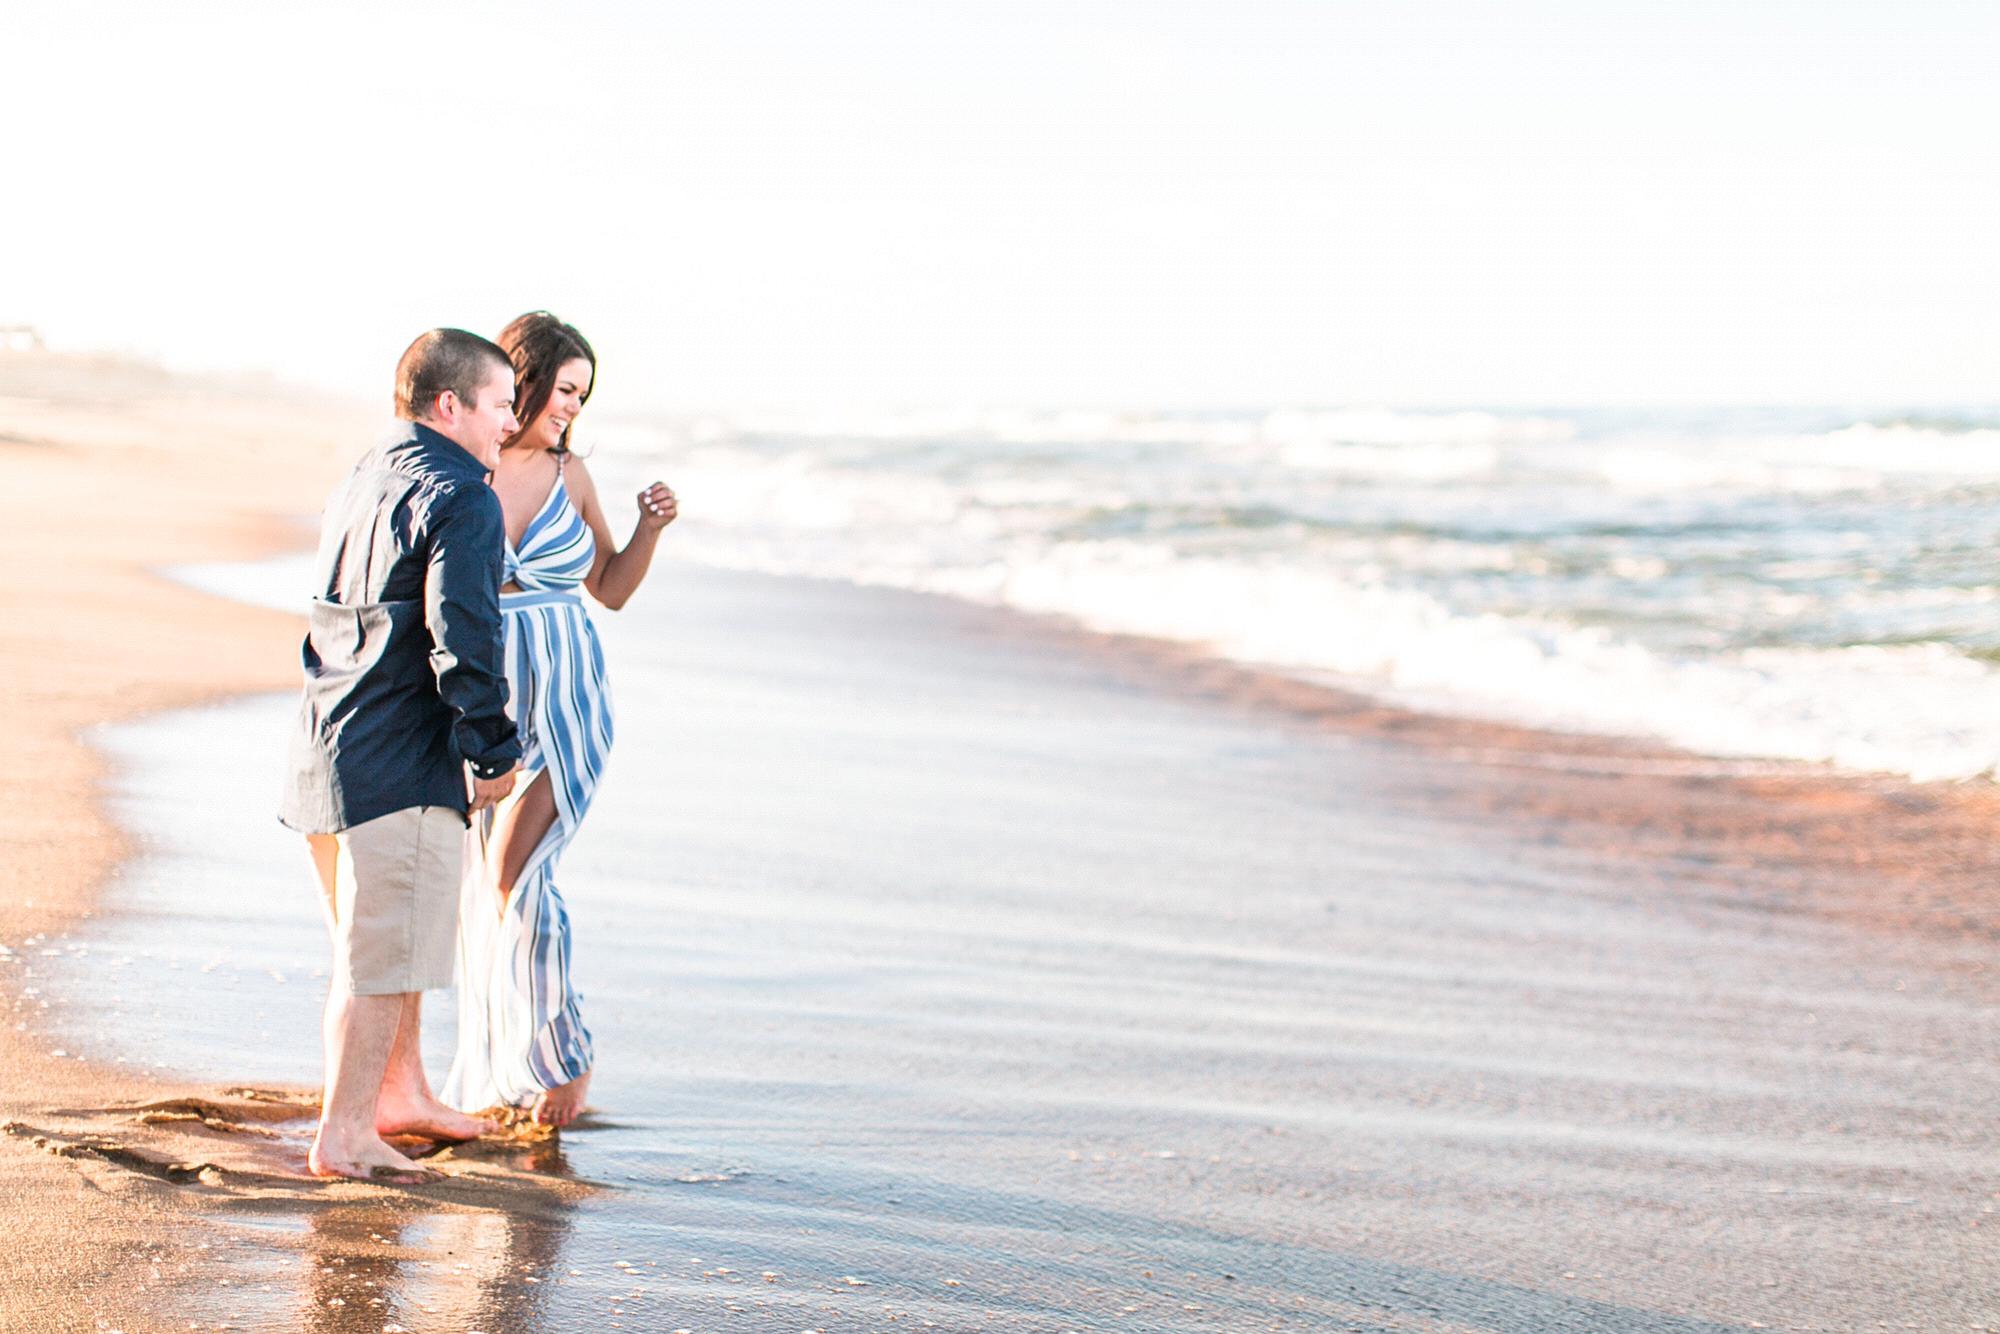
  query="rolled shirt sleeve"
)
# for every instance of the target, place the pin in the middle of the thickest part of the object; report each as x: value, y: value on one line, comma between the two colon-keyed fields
x: 462, y: 609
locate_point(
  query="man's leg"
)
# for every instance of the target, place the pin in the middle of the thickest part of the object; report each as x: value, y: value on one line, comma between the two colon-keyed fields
x: 407, y: 1105
x: 358, y: 1033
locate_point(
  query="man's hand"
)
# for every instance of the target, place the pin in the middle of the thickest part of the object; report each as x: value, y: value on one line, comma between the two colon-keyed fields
x: 490, y: 791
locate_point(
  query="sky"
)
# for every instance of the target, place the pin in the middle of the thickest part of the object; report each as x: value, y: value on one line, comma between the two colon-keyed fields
x: 1129, y: 205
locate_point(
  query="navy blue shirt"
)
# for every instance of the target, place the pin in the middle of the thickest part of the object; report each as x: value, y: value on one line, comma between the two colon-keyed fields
x: 405, y: 680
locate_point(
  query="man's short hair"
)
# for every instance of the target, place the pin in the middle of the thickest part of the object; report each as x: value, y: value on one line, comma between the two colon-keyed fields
x: 445, y: 359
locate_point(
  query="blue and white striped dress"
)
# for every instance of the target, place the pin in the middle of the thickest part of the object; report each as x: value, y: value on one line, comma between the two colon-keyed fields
x: 519, y: 1028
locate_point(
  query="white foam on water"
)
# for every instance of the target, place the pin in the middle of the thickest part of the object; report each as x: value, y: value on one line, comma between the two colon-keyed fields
x: 1928, y: 711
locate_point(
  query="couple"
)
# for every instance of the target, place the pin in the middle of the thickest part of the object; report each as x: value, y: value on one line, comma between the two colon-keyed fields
x: 453, y: 679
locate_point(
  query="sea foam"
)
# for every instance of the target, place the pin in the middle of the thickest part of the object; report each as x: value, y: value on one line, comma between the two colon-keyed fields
x: 1799, y: 586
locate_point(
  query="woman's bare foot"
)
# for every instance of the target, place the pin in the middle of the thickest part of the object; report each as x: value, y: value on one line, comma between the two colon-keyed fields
x: 366, y: 1160
x: 422, y: 1115
x: 560, y: 1105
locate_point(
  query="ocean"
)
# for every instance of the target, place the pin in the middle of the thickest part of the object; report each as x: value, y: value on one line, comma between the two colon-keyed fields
x: 1817, y: 585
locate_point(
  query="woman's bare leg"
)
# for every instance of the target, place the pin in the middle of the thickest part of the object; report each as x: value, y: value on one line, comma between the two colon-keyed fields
x: 518, y: 827
x: 325, y: 849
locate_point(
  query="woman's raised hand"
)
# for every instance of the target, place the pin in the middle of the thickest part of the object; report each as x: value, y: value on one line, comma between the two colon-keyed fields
x: 657, y: 506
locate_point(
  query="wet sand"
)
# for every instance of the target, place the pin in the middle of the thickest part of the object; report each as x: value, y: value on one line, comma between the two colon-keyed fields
x: 953, y: 967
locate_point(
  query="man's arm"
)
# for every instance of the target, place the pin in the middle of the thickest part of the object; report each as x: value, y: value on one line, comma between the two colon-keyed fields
x: 462, y: 609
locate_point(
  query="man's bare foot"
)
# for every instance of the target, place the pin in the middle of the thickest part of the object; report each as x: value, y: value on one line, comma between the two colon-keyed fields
x: 425, y: 1116
x: 560, y: 1105
x: 366, y: 1160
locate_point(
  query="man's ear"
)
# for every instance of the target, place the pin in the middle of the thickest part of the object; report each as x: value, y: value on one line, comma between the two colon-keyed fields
x: 445, y: 407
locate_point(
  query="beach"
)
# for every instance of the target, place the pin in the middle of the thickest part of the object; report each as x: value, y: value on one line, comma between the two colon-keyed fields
x: 957, y: 967
x: 111, y: 471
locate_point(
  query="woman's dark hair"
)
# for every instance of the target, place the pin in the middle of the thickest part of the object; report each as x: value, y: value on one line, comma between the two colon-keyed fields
x: 538, y: 344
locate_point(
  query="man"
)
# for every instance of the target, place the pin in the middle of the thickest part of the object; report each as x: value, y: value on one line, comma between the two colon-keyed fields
x: 403, y: 732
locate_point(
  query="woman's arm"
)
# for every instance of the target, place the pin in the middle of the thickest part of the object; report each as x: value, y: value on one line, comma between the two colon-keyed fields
x: 615, y: 573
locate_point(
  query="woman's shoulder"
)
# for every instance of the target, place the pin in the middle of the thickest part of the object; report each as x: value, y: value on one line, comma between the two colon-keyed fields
x: 576, y: 474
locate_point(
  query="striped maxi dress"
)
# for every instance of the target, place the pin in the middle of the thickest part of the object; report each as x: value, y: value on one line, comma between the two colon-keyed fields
x: 520, y: 1030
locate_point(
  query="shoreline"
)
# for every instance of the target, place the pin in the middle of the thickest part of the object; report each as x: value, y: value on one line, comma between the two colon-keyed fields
x: 1801, y: 831
x: 1875, y: 850
x: 1930, y: 850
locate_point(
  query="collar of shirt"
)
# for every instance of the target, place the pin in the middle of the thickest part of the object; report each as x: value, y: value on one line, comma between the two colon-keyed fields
x: 436, y: 448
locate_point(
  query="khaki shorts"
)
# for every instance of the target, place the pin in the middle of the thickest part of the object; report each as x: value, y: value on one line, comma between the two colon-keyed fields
x: 395, y: 900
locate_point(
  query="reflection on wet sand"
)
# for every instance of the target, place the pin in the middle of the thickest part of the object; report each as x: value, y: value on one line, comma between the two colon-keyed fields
x: 428, y: 1264
x: 470, y: 1252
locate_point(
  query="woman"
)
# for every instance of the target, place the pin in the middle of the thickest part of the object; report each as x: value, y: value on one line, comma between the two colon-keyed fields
x: 521, y: 1039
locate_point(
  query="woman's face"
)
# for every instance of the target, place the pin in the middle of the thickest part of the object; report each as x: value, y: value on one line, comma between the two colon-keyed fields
x: 565, y: 401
